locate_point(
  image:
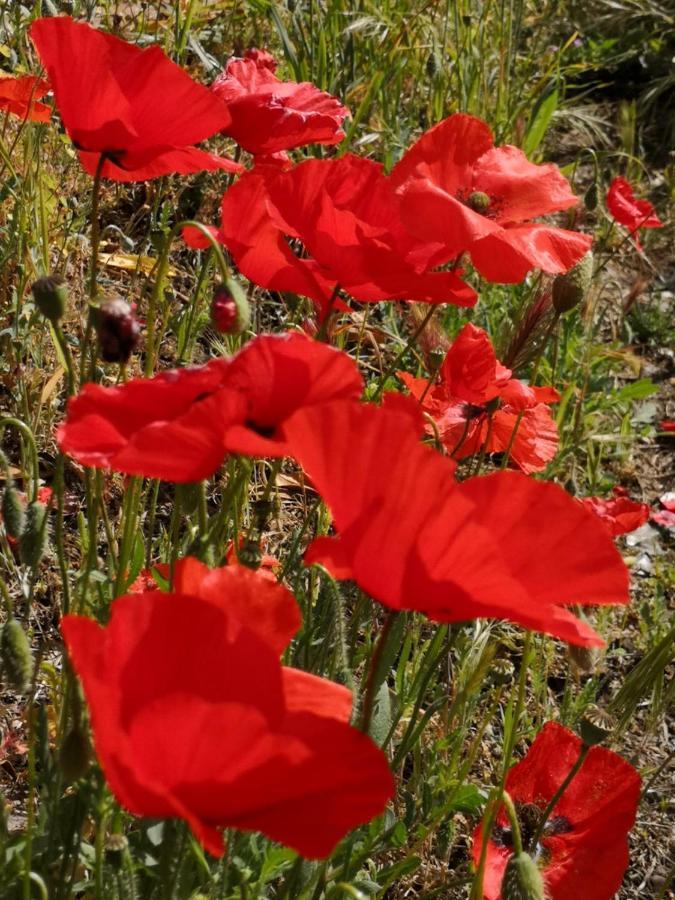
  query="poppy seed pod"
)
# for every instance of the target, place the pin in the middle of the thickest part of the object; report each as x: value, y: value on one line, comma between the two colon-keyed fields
x: 117, y: 329
x: 51, y: 296
x: 522, y: 879
x: 13, y: 512
x: 34, y: 535
x: 596, y: 726
x: 16, y: 659
x: 479, y: 201
x: 570, y: 289
x: 115, y: 848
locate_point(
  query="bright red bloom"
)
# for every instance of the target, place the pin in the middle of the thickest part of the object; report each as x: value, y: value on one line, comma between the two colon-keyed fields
x: 135, y: 107
x: 194, y: 716
x: 270, y: 115
x: 500, y: 546
x: 619, y: 514
x: 145, y: 580
x: 170, y: 426
x: 346, y: 217
x: 278, y: 374
x: 477, y: 402
x: 667, y: 425
x: 628, y: 211
x: 458, y: 189
x: 179, y: 425
x: 584, y: 848
x: 20, y: 96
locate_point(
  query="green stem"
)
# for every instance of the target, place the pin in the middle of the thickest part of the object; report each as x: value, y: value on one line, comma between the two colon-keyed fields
x: 93, y: 269
x: 371, y: 684
x: 545, y: 816
x: 513, y: 820
x: 412, y: 340
x: 29, y: 437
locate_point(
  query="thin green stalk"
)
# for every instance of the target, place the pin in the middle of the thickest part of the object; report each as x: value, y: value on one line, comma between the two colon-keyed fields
x: 371, y: 684
x: 93, y: 267
x: 583, y: 753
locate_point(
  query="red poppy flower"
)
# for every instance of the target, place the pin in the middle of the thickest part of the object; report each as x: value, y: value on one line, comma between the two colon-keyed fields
x: 619, y: 514
x: 501, y: 546
x: 270, y: 115
x: 477, y: 403
x: 345, y: 215
x: 20, y: 96
x: 194, y: 716
x: 666, y: 516
x: 204, y: 411
x: 628, y: 211
x: 131, y: 427
x: 278, y: 374
x: 584, y: 848
x: 458, y: 189
x: 146, y: 581
x: 667, y: 425
x: 134, y: 107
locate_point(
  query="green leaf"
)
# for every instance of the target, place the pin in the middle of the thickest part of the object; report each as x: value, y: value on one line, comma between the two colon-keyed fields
x: 645, y: 387
x: 540, y: 120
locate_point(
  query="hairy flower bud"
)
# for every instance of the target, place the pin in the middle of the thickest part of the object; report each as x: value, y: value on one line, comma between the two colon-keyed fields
x: 229, y: 308
x: 522, y: 879
x: 117, y: 329
x: 51, y: 296
x: 591, y: 196
x: 16, y: 659
x: 501, y: 671
x: 596, y: 726
x: 34, y: 535
x: 13, y: 511
x: 115, y: 848
x: 571, y: 288
x: 74, y: 755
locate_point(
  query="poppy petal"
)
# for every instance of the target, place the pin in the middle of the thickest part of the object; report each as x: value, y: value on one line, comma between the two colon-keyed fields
x: 508, y: 256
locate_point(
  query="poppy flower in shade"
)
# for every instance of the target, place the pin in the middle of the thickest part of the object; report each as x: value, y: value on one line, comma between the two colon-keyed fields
x: 345, y: 215
x: 458, y: 189
x: 477, y: 403
x: 270, y: 115
x: 226, y: 737
x: 135, y: 108
x: 619, y: 513
x: 500, y: 546
x: 278, y: 374
x: 20, y: 97
x: 130, y: 427
x: 626, y: 210
x: 583, y: 851
x: 666, y: 516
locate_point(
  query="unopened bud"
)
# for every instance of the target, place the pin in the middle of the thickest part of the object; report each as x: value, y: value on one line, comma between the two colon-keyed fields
x: 522, y: 879
x: 432, y: 65
x: 571, y: 288
x: 34, y: 535
x: 591, y: 196
x: 74, y: 755
x: 250, y: 554
x: 584, y: 658
x: 479, y: 201
x: 51, y: 296
x: 229, y: 308
x: 117, y: 329
x: 13, y: 510
x: 596, y: 726
x: 16, y: 658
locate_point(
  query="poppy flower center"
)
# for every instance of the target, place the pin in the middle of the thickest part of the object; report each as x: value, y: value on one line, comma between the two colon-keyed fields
x: 266, y: 431
x: 479, y: 202
x: 529, y: 817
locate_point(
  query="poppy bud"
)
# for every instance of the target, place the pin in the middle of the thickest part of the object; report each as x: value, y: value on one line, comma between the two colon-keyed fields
x: 74, y: 755
x: 13, y: 512
x: 596, y: 726
x: 117, y: 329
x: 591, y: 196
x: 432, y: 65
x: 584, y: 658
x: 571, y: 288
x: 479, y: 201
x: 250, y: 554
x: 51, y: 296
x: 229, y: 308
x: 522, y: 879
x: 16, y: 658
x: 34, y: 535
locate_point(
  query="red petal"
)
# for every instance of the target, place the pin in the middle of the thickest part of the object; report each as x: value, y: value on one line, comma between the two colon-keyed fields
x: 507, y: 256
